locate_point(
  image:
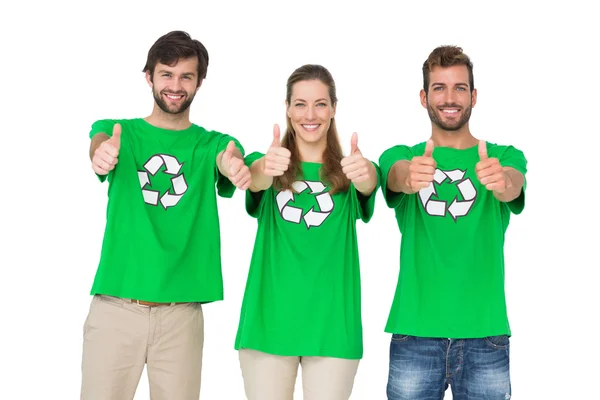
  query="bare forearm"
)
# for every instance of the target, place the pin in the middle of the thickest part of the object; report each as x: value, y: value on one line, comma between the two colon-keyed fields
x: 260, y: 181
x: 97, y: 140
x: 514, y: 184
x: 398, y: 177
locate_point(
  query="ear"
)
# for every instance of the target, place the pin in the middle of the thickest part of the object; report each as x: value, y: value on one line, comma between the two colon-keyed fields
x: 149, y: 79
x: 287, y: 109
x: 423, y: 96
x: 474, y: 98
x: 199, y: 84
x: 333, y: 108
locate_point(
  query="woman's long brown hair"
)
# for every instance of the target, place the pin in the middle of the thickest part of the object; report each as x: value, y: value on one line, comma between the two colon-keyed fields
x: 331, y: 169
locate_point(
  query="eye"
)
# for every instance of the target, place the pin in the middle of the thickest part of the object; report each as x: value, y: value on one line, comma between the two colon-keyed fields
x: 166, y: 75
x: 437, y: 88
x: 461, y: 88
x: 321, y: 104
x: 299, y: 105
x: 187, y: 77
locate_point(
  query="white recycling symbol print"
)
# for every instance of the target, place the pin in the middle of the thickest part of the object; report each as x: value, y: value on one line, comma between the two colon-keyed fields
x: 178, y: 183
x: 456, y: 208
x: 312, y: 217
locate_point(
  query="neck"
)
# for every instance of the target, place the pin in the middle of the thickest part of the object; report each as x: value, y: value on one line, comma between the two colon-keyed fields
x: 311, y: 152
x: 174, y: 122
x: 460, y: 139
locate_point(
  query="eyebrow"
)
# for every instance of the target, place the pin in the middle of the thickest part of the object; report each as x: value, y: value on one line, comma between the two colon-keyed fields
x: 443, y: 84
x: 316, y: 101
x: 164, y: 71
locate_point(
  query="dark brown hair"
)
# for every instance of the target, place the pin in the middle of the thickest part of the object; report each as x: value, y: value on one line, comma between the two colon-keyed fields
x: 174, y: 46
x: 446, y: 56
x: 331, y: 169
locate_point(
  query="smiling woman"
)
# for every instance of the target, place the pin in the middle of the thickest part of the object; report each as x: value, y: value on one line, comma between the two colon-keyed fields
x: 302, y: 300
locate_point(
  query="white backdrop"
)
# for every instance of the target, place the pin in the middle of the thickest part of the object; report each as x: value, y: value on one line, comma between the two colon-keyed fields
x: 65, y: 65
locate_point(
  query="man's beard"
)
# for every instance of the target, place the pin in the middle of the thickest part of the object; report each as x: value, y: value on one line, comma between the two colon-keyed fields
x: 434, y: 116
x: 165, y: 106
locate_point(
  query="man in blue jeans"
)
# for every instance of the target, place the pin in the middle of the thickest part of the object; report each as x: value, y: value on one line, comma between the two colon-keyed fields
x: 453, y: 196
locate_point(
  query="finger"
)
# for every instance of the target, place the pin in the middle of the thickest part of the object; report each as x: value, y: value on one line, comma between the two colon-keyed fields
x: 241, y: 176
x: 355, y: 174
x: 428, y: 149
x: 280, y: 160
x: 106, y: 157
x: 228, y: 154
x: 351, y: 159
x: 230, y: 148
x: 115, y: 139
x: 491, y: 178
x: 428, y: 178
x: 98, y: 170
x: 430, y: 161
x: 418, y: 185
x: 496, y: 186
x: 276, y: 136
x: 483, y: 155
x: 354, y: 143
x: 245, y: 181
x: 282, y: 152
x: 101, y: 164
x: 276, y: 167
x: 235, y: 166
x: 422, y: 169
x: 108, y: 148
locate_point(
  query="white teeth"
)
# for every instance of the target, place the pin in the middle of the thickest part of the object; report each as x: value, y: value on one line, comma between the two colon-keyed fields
x: 310, y: 126
x: 174, y: 97
x: 450, y: 111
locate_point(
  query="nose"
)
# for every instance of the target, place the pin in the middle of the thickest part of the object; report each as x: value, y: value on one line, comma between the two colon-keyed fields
x: 310, y: 113
x: 450, y: 96
x: 175, y: 85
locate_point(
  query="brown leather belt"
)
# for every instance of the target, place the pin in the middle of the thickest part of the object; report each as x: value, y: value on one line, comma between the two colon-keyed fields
x: 151, y: 303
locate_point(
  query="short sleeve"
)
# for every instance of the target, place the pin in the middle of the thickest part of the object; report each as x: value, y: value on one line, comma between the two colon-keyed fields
x: 366, y: 204
x: 514, y: 158
x: 386, y: 161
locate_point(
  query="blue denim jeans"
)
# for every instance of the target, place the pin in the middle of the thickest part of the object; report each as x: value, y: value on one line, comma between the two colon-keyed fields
x: 423, y: 368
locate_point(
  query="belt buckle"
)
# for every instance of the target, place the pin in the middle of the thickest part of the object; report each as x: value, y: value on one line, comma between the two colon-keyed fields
x: 141, y: 305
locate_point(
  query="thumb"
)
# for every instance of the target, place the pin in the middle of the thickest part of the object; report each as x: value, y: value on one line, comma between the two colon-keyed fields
x: 354, y: 143
x: 483, y: 155
x: 115, y: 139
x: 230, y: 148
x: 428, y: 149
x: 276, y: 136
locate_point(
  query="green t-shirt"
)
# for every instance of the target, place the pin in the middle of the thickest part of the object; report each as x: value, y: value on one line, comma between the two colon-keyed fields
x: 162, y: 239
x: 451, y: 281
x: 302, y: 296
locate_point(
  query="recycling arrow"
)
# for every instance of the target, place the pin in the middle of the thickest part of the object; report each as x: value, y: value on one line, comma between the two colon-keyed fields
x: 312, y: 217
x: 178, y: 183
x: 461, y: 208
x: 456, y: 208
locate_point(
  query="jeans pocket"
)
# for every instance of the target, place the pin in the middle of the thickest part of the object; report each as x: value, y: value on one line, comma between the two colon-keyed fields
x: 498, y: 342
x: 396, y: 337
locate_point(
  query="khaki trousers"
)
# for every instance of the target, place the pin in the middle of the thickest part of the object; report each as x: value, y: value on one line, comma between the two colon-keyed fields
x: 120, y: 337
x: 271, y: 377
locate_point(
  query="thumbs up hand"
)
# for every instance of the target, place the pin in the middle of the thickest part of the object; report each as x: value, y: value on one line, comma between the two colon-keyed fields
x: 489, y: 171
x: 234, y: 169
x: 277, y: 158
x: 359, y: 170
x: 106, y: 156
x: 422, y: 169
